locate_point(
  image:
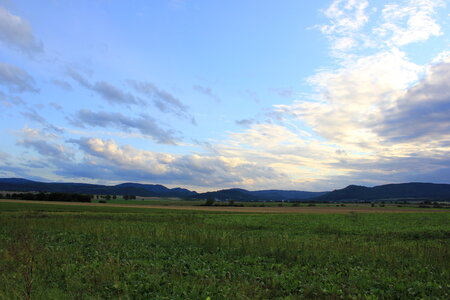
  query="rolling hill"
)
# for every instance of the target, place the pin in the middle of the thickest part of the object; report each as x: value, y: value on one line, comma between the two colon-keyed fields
x: 136, y: 189
x: 418, y: 190
x: 414, y: 190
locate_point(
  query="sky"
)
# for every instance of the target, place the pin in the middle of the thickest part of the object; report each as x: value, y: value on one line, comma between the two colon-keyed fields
x: 255, y: 94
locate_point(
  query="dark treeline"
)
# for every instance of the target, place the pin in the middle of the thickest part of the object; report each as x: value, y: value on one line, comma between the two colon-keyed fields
x: 65, y: 197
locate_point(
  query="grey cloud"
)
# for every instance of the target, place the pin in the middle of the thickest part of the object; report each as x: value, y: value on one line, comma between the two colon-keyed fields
x: 423, y: 112
x: 43, y: 147
x: 113, y: 94
x: 34, y: 116
x: 17, y: 34
x: 163, y: 100
x: 62, y: 84
x: 245, y: 122
x: 78, y: 78
x: 16, y: 79
x: 8, y: 169
x: 252, y: 95
x: 9, y: 100
x: 395, y: 170
x: 106, y: 90
x: 35, y: 164
x: 4, y: 155
x: 56, y: 106
x: 144, y: 124
x: 284, y: 92
x: 207, y: 91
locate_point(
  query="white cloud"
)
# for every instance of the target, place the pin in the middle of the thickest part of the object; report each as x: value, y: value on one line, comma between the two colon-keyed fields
x: 128, y: 163
x: 405, y: 24
x: 351, y: 98
x: 346, y: 21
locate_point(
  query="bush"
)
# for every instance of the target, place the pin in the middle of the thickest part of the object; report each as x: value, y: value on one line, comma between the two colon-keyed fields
x: 209, y: 202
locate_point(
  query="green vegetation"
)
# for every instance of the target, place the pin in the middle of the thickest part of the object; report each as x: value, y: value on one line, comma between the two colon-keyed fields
x: 80, y: 252
x: 65, y: 197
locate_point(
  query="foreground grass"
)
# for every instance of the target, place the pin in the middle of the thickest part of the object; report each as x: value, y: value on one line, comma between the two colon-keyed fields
x: 60, y: 252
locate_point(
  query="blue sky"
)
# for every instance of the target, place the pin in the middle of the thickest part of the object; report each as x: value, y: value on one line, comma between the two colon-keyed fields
x: 306, y: 95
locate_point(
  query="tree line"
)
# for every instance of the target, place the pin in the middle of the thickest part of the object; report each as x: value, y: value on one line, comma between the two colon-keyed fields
x: 65, y: 197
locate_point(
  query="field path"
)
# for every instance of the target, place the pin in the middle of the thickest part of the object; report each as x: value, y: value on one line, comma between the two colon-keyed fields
x: 276, y: 210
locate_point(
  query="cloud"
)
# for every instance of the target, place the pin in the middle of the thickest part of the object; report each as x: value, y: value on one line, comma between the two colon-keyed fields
x: 78, y: 78
x: 62, y: 84
x: 9, y: 100
x: 4, y: 156
x: 43, y: 144
x: 16, y: 79
x: 113, y: 94
x: 352, y: 98
x: 245, y: 122
x: 406, y: 24
x: 129, y: 163
x: 106, y: 90
x: 44, y: 148
x: 34, y: 116
x: 56, y: 106
x: 422, y: 113
x: 145, y: 124
x: 207, y: 91
x: 345, y: 16
x: 396, y: 25
x: 347, y: 19
x: 16, y: 33
x: 392, y: 169
x: 284, y: 92
x: 163, y: 100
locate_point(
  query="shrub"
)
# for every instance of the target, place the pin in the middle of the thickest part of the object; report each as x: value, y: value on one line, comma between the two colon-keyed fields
x: 209, y: 202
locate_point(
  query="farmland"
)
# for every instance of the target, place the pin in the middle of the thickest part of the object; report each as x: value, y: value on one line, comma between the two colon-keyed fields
x: 54, y: 251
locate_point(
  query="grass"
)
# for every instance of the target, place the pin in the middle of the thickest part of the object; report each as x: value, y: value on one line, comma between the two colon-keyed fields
x: 80, y: 252
x: 181, y: 202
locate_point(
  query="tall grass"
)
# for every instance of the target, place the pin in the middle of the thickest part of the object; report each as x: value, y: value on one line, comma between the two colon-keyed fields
x: 62, y: 254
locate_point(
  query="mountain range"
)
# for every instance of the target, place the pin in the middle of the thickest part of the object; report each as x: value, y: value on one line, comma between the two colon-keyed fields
x: 411, y: 190
x: 136, y: 189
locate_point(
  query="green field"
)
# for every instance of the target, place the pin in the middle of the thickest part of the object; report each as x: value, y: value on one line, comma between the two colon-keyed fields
x: 181, y: 202
x: 79, y: 252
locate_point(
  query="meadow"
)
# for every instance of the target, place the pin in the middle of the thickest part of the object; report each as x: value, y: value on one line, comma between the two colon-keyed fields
x: 50, y: 251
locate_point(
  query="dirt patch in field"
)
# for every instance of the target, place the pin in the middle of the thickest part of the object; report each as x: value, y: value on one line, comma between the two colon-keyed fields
x: 272, y: 210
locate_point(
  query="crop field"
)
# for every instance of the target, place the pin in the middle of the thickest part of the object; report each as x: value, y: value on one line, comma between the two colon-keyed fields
x: 52, y: 251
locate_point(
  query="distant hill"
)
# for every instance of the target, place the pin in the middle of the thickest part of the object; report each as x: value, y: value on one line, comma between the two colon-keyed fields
x: 136, y: 189
x: 389, y: 191
x: 286, y: 195
x: 228, y: 194
x: 264, y: 195
x: 352, y: 192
